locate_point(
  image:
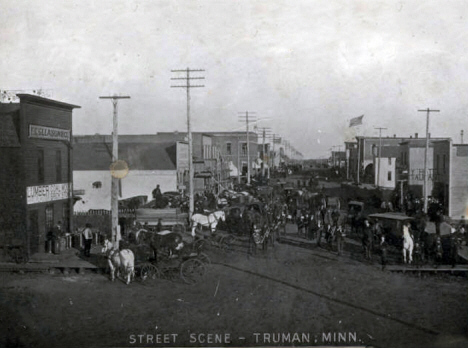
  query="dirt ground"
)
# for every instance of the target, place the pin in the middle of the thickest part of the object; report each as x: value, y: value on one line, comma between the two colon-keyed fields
x: 241, y: 301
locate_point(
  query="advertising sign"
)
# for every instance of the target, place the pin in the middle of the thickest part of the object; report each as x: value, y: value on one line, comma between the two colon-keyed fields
x: 47, y: 193
x: 49, y: 133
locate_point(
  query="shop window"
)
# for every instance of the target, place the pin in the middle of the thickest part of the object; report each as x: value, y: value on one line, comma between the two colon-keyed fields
x: 49, y: 217
x: 244, y: 149
x: 58, y: 165
x: 40, y: 165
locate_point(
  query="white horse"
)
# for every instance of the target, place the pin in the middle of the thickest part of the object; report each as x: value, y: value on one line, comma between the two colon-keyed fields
x: 210, y: 220
x: 119, y: 260
x: 408, y: 244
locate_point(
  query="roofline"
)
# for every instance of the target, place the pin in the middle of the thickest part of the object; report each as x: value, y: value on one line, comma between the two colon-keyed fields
x: 41, y: 100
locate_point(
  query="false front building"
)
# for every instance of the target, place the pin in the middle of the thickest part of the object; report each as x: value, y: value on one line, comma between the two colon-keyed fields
x: 36, y: 171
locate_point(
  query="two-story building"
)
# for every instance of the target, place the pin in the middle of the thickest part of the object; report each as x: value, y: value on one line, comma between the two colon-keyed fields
x: 36, y: 173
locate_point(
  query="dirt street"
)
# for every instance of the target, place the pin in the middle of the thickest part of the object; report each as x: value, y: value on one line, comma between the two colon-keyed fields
x: 287, y: 296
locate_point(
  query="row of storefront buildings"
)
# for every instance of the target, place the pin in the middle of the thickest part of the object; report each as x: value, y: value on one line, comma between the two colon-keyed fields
x: 401, y: 166
x: 46, y: 172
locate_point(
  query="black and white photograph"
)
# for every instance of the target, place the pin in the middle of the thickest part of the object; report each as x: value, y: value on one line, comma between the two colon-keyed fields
x: 216, y: 173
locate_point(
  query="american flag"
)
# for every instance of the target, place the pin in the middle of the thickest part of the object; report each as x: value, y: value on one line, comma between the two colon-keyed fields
x: 356, y: 121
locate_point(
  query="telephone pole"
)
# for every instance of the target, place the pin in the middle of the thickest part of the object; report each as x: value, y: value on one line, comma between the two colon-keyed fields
x: 115, y: 178
x: 380, y: 149
x: 428, y: 111
x: 247, y: 118
x: 187, y: 86
x: 265, y: 133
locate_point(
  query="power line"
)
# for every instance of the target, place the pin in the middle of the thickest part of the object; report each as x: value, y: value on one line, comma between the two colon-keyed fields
x: 428, y: 111
x: 115, y: 179
x: 187, y: 86
x: 247, y: 118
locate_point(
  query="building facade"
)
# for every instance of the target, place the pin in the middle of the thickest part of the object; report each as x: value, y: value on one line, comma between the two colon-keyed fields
x: 36, y: 174
x: 150, y: 163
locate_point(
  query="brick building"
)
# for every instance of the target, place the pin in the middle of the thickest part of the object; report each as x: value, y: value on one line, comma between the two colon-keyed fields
x: 36, y: 172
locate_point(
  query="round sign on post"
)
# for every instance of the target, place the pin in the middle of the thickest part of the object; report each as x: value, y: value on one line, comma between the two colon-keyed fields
x: 119, y: 169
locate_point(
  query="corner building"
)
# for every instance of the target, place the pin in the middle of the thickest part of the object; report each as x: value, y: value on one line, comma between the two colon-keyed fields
x: 36, y: 170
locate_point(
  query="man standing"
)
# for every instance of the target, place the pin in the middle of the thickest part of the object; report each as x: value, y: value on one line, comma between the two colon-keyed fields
x: 88, y: 238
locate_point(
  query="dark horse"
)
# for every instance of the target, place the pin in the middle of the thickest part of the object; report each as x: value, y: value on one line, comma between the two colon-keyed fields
x: 168, y: 243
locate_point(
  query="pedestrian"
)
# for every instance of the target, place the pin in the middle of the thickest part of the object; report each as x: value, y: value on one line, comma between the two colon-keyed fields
x: 159, y: 225
x: 383, y: 251
x: 340, y: 238
x: 88, y: 238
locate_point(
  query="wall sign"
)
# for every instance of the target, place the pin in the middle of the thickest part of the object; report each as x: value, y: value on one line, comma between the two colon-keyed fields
x: 49, y: 133
x: 47, y: 193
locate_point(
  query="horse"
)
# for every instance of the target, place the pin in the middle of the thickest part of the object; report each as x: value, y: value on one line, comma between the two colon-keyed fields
x: 119, y: 260
x: 210, y: 220
x: 165, y: 241
x: 408, y: 244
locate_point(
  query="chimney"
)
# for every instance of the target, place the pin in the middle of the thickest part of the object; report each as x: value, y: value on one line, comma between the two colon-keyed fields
x: 416, y: 135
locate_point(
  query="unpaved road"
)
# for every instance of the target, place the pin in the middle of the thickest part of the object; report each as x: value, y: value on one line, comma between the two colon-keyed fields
x: 242, y: 301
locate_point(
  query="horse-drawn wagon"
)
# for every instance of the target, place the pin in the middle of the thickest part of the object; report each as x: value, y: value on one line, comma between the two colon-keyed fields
x: 169, y: 218
x: 158, y: 255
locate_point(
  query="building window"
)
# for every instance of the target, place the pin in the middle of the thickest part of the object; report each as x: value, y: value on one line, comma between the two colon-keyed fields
x: 49, y: 217
x: 40, y: 165
x: 97, y: 185
x: 389, y: 176
x: 228, y: 149
x: 437, y: 163
x: 58, y: 165
x: 443, y: 163
x: 244, y: 149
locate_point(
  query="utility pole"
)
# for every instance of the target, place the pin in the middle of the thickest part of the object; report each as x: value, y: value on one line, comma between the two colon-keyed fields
x: 265, y: 132
x: 275, y: 139
x: 428, y: 111
x: 115, y: 176
x: 247, y: 119
x: 380, y: 149
x: 187, y: 86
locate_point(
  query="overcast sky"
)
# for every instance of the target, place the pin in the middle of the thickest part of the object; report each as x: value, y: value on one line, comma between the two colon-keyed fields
x: 305, y: 67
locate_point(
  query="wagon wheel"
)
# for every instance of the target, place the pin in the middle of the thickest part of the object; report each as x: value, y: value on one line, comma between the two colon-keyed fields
x: 226, y: 244
x: 192, y: 271
x: 204, y: 258
x: 149, y: 271
x: 179, y: 228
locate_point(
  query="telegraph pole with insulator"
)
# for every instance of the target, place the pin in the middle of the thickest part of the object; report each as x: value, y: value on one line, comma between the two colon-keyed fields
x: 187, y: 87
x: 428, y: 111
x: 118, y: 170
x: 247, y: 118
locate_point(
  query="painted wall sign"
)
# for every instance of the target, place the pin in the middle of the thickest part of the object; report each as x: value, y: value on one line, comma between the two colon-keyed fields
x: 47, y: 193
x: 49, y: 133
